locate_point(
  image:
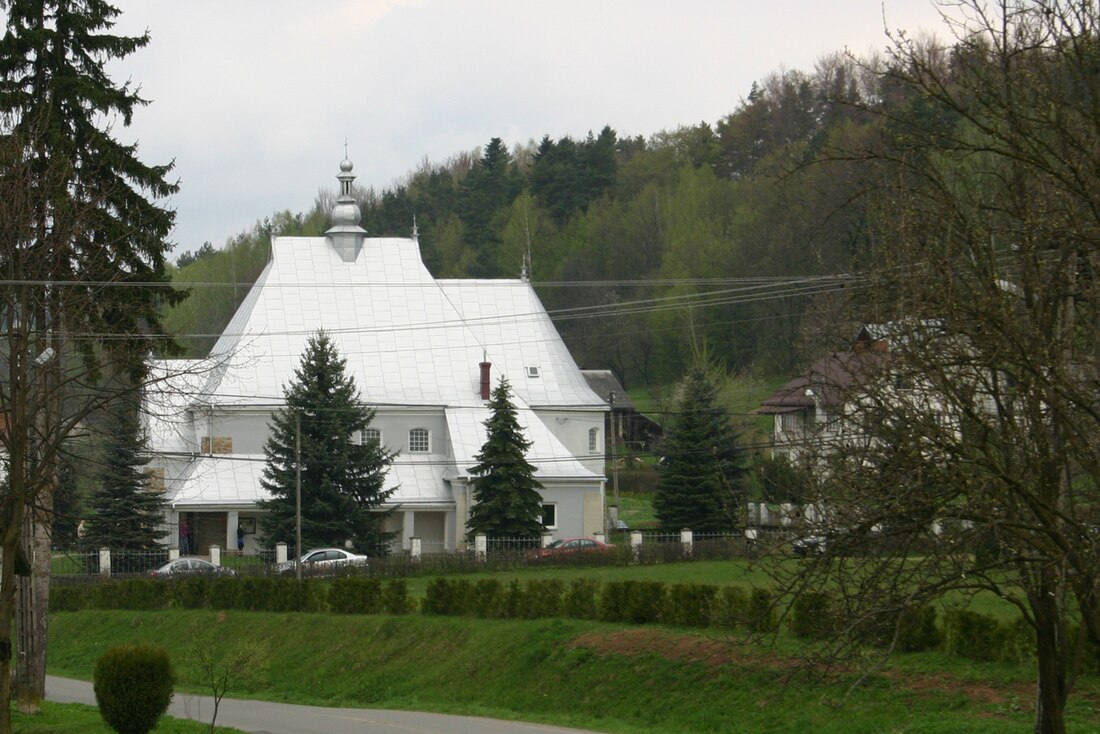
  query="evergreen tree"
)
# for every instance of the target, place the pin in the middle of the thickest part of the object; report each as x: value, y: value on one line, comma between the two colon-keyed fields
x: 343, y: 477
x: 508, y: 503
x: 698, y: 486
x: 81, y: 210
x: 93, y: 216
x: 126, y: 513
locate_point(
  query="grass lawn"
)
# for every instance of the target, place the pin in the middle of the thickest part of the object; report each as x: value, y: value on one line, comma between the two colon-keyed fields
x: 606, y: 677
x: 59, y: 718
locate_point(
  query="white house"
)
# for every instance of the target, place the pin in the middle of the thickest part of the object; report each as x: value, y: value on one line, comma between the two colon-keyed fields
x: 423, y: 352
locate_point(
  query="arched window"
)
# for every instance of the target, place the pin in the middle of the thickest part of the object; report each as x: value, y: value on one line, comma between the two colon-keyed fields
x: 419, y: 441
x: 593, y: 440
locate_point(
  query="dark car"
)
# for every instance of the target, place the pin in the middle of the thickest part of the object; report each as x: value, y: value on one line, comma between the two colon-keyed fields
x: 190, y: 567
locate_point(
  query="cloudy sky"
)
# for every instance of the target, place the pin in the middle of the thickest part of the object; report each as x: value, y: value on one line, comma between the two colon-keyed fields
x: 253, y: 99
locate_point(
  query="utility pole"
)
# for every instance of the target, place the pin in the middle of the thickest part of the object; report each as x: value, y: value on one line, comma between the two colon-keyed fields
x: 298, y: 495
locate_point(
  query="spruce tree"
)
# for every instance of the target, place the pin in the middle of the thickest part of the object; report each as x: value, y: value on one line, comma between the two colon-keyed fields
x: 508, y: 503
x: 342, y: 478
x: 81, y: 213
x: 126, y: 513
x: 94, y: 215
x: 699, y: 477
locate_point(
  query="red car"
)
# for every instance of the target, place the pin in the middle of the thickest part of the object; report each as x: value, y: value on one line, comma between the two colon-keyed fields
x: 573, y: 545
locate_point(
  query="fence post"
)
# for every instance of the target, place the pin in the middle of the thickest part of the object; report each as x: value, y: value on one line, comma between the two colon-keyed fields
x: 280, y: 552
x: 686, y: 542
x: 105, y: 561
x: 599, y: 535
x: 173, y: 554
x: 547, y: 539
x: 216, y: 555
x: 480, y: 546
x: 414, y: 548
x: 635, y: 544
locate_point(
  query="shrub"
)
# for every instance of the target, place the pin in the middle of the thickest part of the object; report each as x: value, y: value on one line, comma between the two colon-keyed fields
x: 970, y: 635
x: 133, y: 687
x: 487, y: 598
x: 812, y: 615
x: 637, y: 602
x: 761, y: 611
x: 917, y: 629
x: 730, y: 608
x: 189, y: 593
x: 447, y: 597
x: 580, y: 599
x: 1015, y: 641
x: 395, y: 597
x: 542, y: 598
x: 690, y: 605
x: 355, y: 595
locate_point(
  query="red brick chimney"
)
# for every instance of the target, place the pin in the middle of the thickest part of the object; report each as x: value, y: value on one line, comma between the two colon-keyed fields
x: 485, y: 383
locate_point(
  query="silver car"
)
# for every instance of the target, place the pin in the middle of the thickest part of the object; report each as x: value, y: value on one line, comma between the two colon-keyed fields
x: 323, y: 560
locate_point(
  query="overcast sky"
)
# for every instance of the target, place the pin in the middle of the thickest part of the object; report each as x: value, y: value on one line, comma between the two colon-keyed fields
x: 253, y: 99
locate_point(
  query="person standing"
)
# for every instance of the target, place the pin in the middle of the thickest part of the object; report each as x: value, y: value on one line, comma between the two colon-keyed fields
x: 185, y: 537
x: 240, y: 538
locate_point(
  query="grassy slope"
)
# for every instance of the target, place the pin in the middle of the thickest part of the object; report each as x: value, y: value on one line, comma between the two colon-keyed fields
x: 640, y: 680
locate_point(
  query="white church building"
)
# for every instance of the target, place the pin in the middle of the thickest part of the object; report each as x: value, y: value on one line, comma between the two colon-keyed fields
x: 424, y: 354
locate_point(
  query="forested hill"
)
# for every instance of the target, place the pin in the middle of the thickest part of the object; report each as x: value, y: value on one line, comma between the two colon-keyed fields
x: 645, y: 250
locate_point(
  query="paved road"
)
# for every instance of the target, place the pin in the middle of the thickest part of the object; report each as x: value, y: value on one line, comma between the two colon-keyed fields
x: 264, y: 717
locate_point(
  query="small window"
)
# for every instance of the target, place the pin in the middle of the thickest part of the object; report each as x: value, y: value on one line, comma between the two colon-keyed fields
x: 549, y: 516
x: 532, y: 371
x: 419, y: 441
x: 371, y: 435
x: 593, y: 440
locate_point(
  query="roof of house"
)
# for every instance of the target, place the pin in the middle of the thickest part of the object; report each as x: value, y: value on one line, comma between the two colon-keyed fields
x: 603, y: 383
x: 828, y: 381
x: 407, y: 338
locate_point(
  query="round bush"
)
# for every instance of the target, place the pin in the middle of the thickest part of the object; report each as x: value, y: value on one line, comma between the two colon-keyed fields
x: 133, y: 687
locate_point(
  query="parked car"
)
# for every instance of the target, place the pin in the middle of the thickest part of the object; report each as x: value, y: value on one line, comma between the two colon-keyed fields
x: 565, y: 546
x: 810, y: 545
x: 322, y: 560
x: 190, y: 567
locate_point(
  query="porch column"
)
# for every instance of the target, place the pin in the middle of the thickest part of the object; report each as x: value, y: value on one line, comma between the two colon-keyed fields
x: 408, y: 522
x: 449, y: 530
x: 232, y: 518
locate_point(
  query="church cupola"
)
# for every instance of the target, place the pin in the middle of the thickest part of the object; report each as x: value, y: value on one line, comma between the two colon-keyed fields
x: 345, y: 234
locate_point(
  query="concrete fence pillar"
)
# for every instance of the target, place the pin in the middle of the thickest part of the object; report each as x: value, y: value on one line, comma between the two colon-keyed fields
x: 635, y: 543
x: 280, y: 552
x: 105, y: 561
x: 481, y: 545
x: 173, y: 554
x: 686, y: 542
x: 216, y: 555
x: 414, y: 548
x: 547, y: 539
x: 599, y: 535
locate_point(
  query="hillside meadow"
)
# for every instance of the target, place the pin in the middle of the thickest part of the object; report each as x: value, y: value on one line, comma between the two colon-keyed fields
x: 644, y: 679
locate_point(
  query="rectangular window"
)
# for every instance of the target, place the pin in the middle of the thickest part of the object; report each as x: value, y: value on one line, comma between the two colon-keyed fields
x: 532, y: 371
x: 549, y: 517
x: 371, y: 435
x: 419, y: 441
x: 593, y: 440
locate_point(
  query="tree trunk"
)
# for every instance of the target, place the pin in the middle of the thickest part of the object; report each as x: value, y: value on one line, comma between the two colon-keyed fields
x: 1051, y: 648
x: 34, y: 601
